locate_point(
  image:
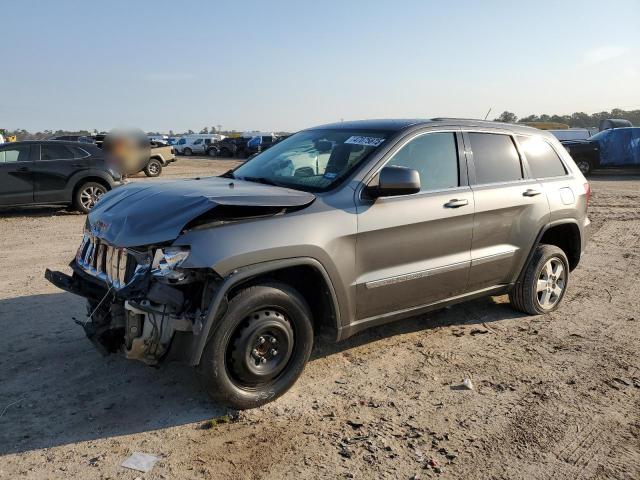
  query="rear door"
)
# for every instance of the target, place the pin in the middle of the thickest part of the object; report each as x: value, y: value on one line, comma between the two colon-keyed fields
x: 413, y: 250
x: 510, y: 208
x: 53, y: 169
x: 16, y: 174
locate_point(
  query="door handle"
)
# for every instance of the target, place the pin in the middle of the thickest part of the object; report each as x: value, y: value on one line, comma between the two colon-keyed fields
x: 455, y: 203
x: 22, y: 169
x: 530, y: 192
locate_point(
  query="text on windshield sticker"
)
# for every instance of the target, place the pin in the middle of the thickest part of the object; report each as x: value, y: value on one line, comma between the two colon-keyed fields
x: 365, y: 141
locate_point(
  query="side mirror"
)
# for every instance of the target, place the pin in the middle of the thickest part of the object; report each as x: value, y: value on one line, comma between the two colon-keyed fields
x: 396, y: 181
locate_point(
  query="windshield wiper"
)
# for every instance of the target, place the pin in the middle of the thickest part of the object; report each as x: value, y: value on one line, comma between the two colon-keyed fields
x: 263, y: 180
x: 228, y: 174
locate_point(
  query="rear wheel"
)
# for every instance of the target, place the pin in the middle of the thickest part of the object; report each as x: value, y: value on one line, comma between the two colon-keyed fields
x: 87, y: 195
x: 259, y: 348
x: 544, y: 283
x: 153, y: 168
x: 212, y: 152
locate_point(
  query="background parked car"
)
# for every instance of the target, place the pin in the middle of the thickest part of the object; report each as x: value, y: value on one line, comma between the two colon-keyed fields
x: 160, y: 155
x: 259, y: 143
x: 613, y: 148
x: 54, y: 172
x: 229, y: 147
x: 196, y: 143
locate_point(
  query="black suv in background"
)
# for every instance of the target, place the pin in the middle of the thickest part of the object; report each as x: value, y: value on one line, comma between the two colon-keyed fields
x: 228, y: 147
x: 54, y: 172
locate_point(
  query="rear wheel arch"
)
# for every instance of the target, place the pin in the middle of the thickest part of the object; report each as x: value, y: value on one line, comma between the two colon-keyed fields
x: 567, y: 237
x: 84, y: 180
x: 564, y: 234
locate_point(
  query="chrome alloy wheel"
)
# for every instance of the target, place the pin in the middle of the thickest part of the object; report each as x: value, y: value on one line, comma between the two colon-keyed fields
x: 90, y: 196
x: 551, y: 283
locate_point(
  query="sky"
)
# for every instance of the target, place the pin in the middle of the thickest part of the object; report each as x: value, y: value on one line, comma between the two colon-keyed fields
x: 286, y: 65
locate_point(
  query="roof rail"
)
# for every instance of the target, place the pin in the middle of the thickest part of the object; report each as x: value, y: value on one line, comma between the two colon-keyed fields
x: 439, y: 119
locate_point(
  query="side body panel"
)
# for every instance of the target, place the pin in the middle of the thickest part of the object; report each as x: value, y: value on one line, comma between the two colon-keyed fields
x: 508, y: 218
x: 413, y: 250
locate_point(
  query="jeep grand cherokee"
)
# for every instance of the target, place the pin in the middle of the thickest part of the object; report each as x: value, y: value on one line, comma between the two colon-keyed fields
x: 337, y: 228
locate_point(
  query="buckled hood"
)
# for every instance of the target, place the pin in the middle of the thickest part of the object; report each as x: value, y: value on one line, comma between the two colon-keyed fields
x: 146, y: 213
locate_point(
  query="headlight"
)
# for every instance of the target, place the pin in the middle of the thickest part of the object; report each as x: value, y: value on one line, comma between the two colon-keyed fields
x: 167, y: 261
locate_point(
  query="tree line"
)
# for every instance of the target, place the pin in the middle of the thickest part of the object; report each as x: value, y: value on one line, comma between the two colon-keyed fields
x: 577, y: 119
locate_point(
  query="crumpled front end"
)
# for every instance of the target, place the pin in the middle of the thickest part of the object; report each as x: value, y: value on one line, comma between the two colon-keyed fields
x: 139, y: 300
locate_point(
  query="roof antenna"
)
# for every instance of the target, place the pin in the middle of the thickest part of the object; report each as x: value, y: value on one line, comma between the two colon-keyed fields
x: 485, y: 117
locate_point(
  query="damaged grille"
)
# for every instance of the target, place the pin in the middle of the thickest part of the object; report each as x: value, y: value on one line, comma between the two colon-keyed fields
x: 113, y: 265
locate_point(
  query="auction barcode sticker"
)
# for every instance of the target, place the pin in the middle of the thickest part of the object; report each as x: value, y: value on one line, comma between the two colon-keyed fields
x: 365, y: 141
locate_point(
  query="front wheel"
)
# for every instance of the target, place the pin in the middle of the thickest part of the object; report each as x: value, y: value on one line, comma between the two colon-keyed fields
x: 153, y: 168
x: 584, y: 166
x: 260, y: 347
x: 87, y: 195
x: 187, y: 152
x: 544, y: 282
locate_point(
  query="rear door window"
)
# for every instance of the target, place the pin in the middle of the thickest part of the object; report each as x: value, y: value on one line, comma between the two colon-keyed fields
x: 541, y: 157
x: 495, y: 158
x: 55, y: 152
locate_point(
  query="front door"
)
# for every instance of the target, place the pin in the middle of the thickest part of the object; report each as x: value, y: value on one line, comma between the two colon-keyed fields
x: 16, y: 175
x: 510, y: 209
x: 413, y: 250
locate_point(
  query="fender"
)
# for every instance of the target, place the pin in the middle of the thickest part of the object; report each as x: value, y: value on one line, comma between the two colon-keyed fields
x: 81, y: 176
x: 555, y: 223
x: 218, y: 305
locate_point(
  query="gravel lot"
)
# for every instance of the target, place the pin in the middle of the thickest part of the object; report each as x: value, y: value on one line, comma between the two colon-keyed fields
x: 555, y: 396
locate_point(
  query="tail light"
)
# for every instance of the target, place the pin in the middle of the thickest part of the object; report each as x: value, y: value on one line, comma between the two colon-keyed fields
x: 587, y: 192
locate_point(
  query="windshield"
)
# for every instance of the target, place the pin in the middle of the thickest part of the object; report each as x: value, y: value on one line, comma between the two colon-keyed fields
x: 599, y: 135
x: 312, y: 160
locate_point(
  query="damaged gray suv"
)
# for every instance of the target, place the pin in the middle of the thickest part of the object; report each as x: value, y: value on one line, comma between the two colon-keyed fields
x: 335, y: 229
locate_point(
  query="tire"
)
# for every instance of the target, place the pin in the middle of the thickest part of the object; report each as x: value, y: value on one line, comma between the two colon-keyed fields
x: 212, y: 152
x: 526, y: 296
x: 86, y: 196
x: 153, y: 168
x: 232, y: 370
x: 225, y: 152
x: 187, y: 152
x: 584, y: 166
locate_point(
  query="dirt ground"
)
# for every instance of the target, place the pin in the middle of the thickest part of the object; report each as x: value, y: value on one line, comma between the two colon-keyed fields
x: 556, y: 396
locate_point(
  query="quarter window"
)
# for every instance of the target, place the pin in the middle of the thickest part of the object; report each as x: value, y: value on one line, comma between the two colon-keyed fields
x: 495, y: 158
x: 541, y: 157
x: 434, y: 156
x: 55, y: 152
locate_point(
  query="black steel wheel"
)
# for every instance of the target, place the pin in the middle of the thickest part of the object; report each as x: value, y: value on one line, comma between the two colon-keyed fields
x: 259, y: 348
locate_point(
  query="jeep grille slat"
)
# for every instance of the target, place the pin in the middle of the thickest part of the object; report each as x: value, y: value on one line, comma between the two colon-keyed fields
x: 110, y: 264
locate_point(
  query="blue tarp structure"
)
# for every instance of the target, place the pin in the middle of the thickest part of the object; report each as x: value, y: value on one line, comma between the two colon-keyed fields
x: 619, y: 146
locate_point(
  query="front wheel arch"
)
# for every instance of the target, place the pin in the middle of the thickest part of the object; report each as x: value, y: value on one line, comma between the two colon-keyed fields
x: 273, y: 270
